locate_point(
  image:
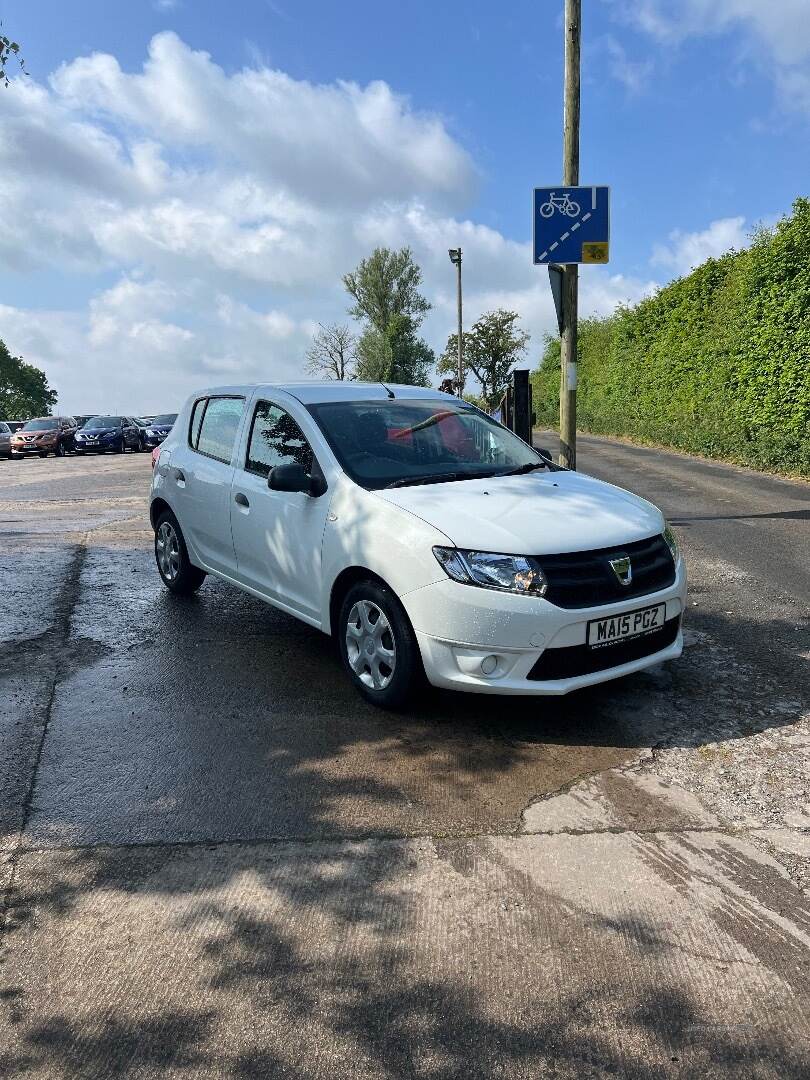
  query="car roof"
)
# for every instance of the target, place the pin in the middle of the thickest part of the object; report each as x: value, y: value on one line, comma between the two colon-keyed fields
x: 316, y: 393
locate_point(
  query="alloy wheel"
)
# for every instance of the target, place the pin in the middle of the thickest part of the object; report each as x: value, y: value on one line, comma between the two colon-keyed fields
x: 370, y: 645
x: 167, y: 548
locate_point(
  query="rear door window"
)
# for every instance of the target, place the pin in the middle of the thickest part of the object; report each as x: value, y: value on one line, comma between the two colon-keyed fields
x: 220, y: 424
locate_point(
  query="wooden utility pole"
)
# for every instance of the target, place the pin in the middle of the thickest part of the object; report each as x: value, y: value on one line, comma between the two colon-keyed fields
x: 570, y: 285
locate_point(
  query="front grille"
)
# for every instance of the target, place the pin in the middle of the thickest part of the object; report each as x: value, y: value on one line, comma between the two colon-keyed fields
x: 568, y: 663
x: 586, y: 579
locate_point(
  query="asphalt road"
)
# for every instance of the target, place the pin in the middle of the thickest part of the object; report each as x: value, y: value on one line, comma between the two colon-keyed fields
x: 217, y: 861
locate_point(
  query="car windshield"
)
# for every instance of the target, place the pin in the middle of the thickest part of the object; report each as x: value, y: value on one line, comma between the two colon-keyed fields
x: 103, y: 422
x: 46, y: 424
x: 164, y: 421
x: 399, y: 442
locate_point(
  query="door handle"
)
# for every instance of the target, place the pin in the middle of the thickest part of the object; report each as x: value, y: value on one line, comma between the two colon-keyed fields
x: 241, y: 500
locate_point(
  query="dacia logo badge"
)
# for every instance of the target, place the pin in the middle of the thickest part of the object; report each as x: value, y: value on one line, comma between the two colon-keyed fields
x: 622, y: 569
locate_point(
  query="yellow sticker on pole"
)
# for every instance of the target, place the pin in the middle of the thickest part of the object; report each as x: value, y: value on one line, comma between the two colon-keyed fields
x: 595, y: 253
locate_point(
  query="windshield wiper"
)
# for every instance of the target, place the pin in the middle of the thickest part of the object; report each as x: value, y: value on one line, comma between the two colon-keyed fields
x: 528, y: 467
x: 431, y: 478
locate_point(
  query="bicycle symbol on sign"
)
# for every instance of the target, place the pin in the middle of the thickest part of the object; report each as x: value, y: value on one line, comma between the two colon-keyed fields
x: 564, y: 203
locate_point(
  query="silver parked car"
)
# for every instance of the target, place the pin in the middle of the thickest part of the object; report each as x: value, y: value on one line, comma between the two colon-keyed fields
x: 5, y: 440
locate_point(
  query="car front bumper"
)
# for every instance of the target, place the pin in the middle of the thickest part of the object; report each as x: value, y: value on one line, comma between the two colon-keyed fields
x: 459, y: 626
x: 33, y: 448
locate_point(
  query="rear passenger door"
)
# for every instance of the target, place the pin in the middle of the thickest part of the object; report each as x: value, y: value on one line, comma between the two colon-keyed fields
x: 199, y: 476
x: 278, y: 535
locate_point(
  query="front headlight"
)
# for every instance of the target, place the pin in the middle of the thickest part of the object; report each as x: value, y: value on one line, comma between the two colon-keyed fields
x: 672, y: 544
x: 490, y: 570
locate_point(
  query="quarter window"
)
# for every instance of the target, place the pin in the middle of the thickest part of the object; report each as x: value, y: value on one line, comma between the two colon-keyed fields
x: 276, y: 439
x: 220, y: 424
x: 196, y: 421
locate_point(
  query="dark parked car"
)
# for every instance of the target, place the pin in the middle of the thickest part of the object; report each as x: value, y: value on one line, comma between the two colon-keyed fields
x: 159, y: 429
x: 102, y: 433
x: 45, y: 435
x: 5, y: 440
x: 82, y: 420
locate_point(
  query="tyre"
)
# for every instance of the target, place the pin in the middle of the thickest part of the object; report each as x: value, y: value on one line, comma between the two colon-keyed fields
x: 122, y: 446
x: 60, y: 450
x: 43, y: 455
x: 378, y: 646
x: 178, y: 573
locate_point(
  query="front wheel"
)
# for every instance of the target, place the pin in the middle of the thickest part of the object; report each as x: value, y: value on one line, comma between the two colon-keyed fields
x: 43, y: 455
x: 178, y: 573
x: 378, y: 646
x: 60, y: 450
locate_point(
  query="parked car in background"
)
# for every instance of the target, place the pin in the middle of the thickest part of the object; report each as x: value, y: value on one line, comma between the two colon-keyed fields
x: 108, y: 433
x: 45, y: 435
x: 82, y: 420
x: 14, y: 425
x: 143, y: 425
x: 158, y: 429
x: 5, y: 440
x: 421, y: 534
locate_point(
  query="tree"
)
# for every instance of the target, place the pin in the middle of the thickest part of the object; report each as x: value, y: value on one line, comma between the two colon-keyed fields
x: 397, y: 356
x: 332, y: 353
x: 491, y: 349
x: 385, y: 290
x: 386, y: 285
x: 24, y: 390
x: 9, y: 50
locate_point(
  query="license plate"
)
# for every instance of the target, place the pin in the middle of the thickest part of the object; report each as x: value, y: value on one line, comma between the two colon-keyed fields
x: 629, y: 624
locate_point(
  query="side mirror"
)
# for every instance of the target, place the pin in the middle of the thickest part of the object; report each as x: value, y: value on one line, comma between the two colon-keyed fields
x: 294, y: 477
x: 541, y: 450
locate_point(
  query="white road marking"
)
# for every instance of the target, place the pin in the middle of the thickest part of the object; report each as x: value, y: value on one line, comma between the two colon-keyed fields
x: 585, y: 217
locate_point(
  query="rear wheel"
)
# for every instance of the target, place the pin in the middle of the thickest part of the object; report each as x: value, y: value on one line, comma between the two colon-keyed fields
x: 45, y: 454
x: 178, y: 573
x: 60, y: 449
x: 378, y: 646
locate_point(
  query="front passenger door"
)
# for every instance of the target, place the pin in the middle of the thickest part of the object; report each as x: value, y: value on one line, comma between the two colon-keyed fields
x: 277, y: 535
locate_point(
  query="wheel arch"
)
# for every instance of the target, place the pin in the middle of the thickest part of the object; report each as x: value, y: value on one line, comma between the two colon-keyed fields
x: 347, y: 577
x: 157, y: 507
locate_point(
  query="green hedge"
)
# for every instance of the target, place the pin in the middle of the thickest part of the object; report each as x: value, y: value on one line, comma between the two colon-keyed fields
x: 716, y: 363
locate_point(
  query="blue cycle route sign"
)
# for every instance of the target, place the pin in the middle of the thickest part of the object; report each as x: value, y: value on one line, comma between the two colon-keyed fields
x: 571, y: 224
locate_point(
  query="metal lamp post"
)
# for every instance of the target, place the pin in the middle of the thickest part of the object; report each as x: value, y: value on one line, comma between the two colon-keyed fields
x: 455, y: 259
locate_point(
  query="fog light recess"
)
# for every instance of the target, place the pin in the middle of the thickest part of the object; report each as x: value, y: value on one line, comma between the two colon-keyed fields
x: 489, y: 665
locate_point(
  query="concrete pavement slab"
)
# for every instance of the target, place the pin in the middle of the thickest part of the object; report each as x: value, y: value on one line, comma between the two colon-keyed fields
x: 564, y: 956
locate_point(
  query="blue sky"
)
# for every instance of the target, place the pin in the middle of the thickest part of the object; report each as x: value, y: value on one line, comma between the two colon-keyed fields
x: 190, y: 223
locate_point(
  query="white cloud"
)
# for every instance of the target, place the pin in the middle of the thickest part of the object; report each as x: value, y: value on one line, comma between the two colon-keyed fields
x: 776, y: 35
x: 224, y: 210
x: 634, y: 75
x: 686, y: 250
